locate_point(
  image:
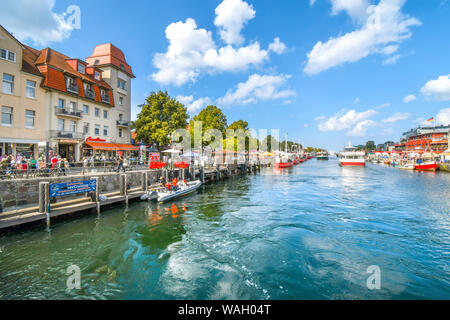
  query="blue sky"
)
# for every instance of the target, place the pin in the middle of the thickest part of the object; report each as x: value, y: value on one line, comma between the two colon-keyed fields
x: 325, y: 71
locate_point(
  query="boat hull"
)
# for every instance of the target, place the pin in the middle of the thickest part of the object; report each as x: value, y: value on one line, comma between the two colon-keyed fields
x: 352, y: 164
x: 283, y: 164
x: 166, y: 196
x: 426, y: 167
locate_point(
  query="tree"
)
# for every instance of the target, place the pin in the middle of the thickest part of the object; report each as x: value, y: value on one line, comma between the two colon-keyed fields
x: 212, y: 118
x: 159, y: 117
x: 240, y: 124
x: 370, y: 145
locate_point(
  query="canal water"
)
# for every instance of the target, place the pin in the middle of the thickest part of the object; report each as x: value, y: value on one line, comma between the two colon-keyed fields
x: 310, y: 232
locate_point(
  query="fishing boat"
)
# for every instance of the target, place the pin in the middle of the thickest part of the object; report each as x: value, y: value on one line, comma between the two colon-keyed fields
x: 425, y: 165
x: 283, y: 161
x: 322, y: 155
x: 165, y: 194
x: 351, y: 157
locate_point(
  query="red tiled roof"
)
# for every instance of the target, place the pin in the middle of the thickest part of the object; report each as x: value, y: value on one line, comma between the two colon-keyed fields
x: 105, y: 54
x: 55, y: 65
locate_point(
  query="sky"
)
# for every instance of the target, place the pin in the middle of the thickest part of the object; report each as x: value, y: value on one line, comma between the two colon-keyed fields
x: 324, y: 71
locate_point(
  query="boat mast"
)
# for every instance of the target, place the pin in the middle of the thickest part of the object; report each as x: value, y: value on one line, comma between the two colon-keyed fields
x: 286, y: 145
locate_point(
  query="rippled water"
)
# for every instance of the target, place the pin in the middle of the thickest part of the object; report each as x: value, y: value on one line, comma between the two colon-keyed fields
x: 306, y: 233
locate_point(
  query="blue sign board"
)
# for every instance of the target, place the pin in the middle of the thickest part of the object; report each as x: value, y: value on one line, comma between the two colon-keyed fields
x: 70, y: 188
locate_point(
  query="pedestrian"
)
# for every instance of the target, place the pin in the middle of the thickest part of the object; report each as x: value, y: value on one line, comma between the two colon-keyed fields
x: 120, y: 166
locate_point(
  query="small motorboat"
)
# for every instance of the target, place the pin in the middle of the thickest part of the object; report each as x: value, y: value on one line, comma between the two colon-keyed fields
x: 406, y: 165
x: 183, y: 188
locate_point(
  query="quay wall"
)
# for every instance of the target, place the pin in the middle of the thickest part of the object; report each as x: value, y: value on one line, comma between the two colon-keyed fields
x: 17, y: 193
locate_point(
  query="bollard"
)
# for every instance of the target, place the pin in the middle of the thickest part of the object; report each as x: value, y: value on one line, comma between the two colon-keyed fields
x: 96, y: 194
x: 202, y: 174
x: 218, y: 172
x: 42, y: 197
x: 47, y: 202
x: 144, y: 181
x: 123, y: 184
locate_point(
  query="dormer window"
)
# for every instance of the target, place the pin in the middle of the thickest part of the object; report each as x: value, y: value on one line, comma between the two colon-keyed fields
x: 81, y: 68
x: 122, y: 67
x: 71, y: 85
x: 96, y: 75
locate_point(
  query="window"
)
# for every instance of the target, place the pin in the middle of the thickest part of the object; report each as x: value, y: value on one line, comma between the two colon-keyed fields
x: 97, y: 112
x: 61, y: 124
x: 8, y: 83
x: 105, y: 114
x: 7, y: 115
x: 85, y: 109
x: 121, y: 100
x: 120, y: 116
x: 31, y: 89
x: 97, y: 75
x: 7, y: 55
x: 120, y: 133
x: 81, y: 68
x: 61, y: 103
x: 121, y: 84
x: 29, y: 118
x: 86, y: 128
x: 97, y: 130
x: 105, y: 130
x: 72, y: 106
x: 72, y: 126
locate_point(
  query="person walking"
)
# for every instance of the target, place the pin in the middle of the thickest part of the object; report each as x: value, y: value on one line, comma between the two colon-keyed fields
x: 120, y: 166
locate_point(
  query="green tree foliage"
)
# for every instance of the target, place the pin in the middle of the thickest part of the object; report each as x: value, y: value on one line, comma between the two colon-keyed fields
x: 212, y: 118
x: 240, y: 124
x: 159, y: 117
x: 370, y: 145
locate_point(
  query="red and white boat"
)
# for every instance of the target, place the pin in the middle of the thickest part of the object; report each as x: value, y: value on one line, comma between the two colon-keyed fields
x: 425, y: 165
x: 282, y: 160
x: 350, y: 157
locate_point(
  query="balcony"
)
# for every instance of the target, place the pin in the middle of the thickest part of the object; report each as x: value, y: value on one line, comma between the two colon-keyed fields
x: 89, y: 94
x: 70, y: 113
x: 72, y: 88
x: 58, y: 134
x: 123, y: 123
x: 105, y: 98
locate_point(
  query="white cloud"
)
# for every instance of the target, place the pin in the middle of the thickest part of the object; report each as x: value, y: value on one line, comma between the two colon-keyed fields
x: 382, y: 106
x: 384, y: 28
x: 194, y: 105
x: 311, y: 2
x: 277, y: 46
x: 258, y: 87
x: 231, y: 15
x: 438, y: 89
x: 399, y: 116
x: 409, y: 98
x: 357, y: 9
x: 192, y: 50
x: 356, y: 122
x: 443, y: 117
x: 360, y: 129
x: 34, y: 20
x: 392, y: 59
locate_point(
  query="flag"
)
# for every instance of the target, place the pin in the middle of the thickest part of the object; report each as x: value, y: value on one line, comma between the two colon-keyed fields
x: 431, y: 119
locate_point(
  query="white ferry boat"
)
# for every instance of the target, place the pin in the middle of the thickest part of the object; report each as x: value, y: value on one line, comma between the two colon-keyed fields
x: 350, y: 157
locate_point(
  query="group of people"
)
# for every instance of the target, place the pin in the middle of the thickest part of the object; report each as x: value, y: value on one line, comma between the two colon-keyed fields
x: 20, y: 164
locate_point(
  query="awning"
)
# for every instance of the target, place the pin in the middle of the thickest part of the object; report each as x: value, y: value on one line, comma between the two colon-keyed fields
x: 111, y: 146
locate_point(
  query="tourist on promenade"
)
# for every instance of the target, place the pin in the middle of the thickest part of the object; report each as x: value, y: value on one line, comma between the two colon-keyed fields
x: 120, y: 166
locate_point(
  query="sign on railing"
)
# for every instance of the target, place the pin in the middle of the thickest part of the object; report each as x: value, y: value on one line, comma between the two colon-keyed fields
x: 70, y: 188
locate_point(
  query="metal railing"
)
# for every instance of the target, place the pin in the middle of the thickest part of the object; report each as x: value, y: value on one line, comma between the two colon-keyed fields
x: 68, y: 112
x: 123, y: 123
x: 72, y: 88
x: 105, y: 98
